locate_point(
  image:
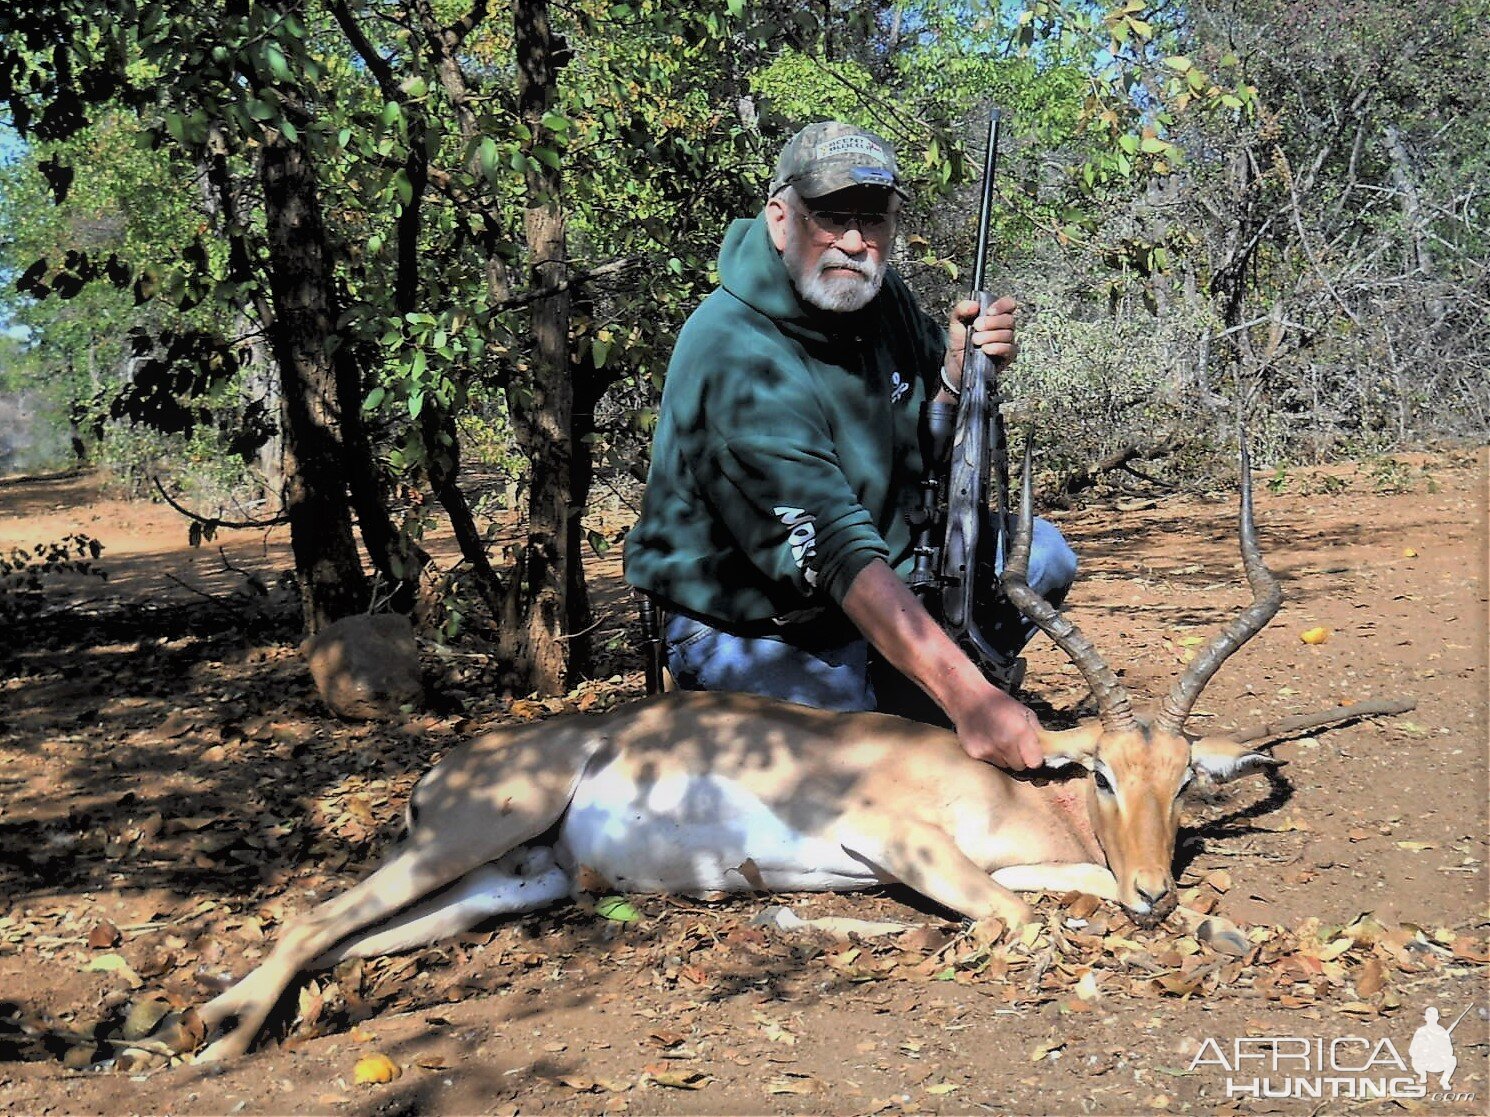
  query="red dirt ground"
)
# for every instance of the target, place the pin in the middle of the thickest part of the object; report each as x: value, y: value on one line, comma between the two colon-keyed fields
x: 168, y: 780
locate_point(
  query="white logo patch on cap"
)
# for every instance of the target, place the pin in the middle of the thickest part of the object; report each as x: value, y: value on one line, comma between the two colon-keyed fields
x: 857, y: 145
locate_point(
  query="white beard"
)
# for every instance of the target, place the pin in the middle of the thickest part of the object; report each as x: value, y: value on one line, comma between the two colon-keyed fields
x: 839, y: 294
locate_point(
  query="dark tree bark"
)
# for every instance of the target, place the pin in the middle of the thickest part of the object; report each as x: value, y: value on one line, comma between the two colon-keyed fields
x: 332, y: 581
x: 542, y: 400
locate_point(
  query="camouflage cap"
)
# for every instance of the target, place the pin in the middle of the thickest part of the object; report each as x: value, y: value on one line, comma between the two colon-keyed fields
x: 831, y: 155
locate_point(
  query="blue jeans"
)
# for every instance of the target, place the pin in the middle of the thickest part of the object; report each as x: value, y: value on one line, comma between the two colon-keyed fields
x: 839, y: 674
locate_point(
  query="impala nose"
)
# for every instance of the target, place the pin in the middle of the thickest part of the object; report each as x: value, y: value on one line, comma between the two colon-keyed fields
x: 1155, y: 895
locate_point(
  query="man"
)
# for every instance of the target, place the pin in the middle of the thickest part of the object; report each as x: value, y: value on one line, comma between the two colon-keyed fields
x: 773, y: 532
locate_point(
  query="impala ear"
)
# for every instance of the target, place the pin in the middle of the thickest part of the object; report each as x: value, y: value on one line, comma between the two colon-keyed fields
x: 1221, y: 760
x: 1071, y: 746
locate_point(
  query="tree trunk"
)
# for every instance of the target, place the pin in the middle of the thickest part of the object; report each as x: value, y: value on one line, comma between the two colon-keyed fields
x: 590, y: 383
x: 542, y: 401
x: 332, y: 582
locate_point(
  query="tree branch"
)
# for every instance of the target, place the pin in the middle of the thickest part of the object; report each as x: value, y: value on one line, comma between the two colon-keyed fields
x: 213, y: 521
x: 1377, y: 707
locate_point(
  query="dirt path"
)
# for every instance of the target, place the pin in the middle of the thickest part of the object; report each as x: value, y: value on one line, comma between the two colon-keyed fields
x: 170, y: 791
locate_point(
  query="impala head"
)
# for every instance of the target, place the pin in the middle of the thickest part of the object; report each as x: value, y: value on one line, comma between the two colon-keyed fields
x: 1141, y: 767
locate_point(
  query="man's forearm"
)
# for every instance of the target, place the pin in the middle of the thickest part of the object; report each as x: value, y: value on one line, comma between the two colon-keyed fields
x: 990, y: 724
x: 893, y: 619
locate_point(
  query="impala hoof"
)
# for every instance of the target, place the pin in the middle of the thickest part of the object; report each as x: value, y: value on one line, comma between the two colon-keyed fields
x: 1223, y: 936
x: 230, y: 1047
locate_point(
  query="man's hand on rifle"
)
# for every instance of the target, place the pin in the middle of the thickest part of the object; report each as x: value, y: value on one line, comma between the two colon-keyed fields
x: 992, y: 332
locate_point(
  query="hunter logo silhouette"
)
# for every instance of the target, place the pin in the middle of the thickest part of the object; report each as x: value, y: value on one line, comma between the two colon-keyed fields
x: 1432, y: 1049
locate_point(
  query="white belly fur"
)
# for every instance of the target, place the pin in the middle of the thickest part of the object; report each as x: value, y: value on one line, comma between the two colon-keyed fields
x: 696, y: 833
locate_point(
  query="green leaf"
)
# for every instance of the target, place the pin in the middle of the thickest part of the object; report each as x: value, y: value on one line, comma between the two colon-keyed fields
x: 374, y: 399
x: 416, y: 404
x: 277, y: 64
x: 547, y: 156
x: 404, y: 187
x: 291, y: 133
x: 1152, y: 145
x: 601, y: 352
x: 392, y: 114
x: 617, y: 910
x: 556, y: 123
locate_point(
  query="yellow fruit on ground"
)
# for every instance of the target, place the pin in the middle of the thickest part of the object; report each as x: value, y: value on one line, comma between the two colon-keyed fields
x: 374, y: 1070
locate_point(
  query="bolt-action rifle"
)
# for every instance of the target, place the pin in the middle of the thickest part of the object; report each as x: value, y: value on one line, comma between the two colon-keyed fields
x: 959, y: 538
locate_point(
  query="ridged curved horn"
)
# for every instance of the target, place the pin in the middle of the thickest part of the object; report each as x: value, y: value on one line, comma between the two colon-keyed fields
x: 1113, y: 705
x: 1266, y: 597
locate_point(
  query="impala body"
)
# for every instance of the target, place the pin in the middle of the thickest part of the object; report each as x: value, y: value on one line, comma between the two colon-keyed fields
x: 700, y: 793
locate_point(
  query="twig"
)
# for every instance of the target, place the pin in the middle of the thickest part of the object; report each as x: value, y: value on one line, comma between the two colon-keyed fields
x: 132, y: 929
x: 213, y: 521
x: 1379, y: 707
x: 253, y: 580
x: 200, y: 593
x: 563, y: 285
x: 1086, y: 476
x: 576, y: 635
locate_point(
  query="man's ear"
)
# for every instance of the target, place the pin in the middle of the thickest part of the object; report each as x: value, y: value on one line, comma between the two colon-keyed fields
x: 778, y: 215
x: 1221, y: 760
x: 1071, y: 746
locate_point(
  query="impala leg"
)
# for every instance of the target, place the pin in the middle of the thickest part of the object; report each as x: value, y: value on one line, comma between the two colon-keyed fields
x: 925, y: 857
x: 524, y: 880
x: 480, y: 803
x: 413, y: 872
x: 1095, y: 880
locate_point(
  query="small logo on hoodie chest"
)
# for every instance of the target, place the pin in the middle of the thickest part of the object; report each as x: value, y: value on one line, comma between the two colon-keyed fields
x: 899, y: 387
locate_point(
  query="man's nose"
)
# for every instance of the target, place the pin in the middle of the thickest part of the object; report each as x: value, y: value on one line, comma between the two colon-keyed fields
x: 853, y: 241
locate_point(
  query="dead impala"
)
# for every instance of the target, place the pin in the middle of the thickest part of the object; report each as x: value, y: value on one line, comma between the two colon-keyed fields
x: 703, y: 792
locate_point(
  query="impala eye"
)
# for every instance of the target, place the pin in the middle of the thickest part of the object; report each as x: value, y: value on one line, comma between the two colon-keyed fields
x: 1103, y: 783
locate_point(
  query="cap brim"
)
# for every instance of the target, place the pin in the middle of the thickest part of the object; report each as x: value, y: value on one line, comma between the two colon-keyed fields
x: 818, y: 185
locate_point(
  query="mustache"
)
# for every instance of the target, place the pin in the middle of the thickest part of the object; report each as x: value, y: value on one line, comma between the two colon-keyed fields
x: 835, y: 258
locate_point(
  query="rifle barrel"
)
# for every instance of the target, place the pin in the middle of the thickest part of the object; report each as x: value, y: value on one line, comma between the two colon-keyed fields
x: 985, y: 212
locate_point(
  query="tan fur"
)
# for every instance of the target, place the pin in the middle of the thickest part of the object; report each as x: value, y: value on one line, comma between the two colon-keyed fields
x: 899, y: 796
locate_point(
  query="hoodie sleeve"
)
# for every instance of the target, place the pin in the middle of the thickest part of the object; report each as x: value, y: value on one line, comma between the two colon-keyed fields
x: 769, y: 467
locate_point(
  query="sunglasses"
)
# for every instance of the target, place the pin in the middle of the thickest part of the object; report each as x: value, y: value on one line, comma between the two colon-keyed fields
x: 829, y: 225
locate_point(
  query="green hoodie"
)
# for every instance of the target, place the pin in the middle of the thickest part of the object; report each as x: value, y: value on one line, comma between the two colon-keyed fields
x: 786, y: 450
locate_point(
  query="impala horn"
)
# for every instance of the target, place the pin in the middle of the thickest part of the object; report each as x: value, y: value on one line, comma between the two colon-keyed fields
x: 1266, y: 597
x: 1113, y: 704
